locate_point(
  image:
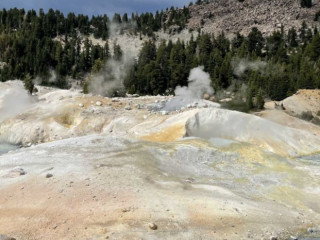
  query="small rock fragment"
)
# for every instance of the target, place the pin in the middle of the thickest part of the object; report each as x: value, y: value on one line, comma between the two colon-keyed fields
x: 153, y: 226
x: 164, y: 113
x: 49, y: 175
x: 310, y: 230
x: 99, y: 103
x: 273, y: 238
x: 212, y: 99
x: 206, y: 96
x: 124, y: 210
x: 17, y: 172
x: 138, y: 106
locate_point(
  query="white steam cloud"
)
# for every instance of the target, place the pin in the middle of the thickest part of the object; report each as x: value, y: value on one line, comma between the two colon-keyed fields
x: 116, y: 29
x: 199, y: 84
x: 112, y: 76
x: 53, y: 77
x: 240, y: 66
x: 14, y: 99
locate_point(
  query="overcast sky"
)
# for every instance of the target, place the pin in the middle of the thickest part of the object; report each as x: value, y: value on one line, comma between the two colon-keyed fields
x: 94, y: 7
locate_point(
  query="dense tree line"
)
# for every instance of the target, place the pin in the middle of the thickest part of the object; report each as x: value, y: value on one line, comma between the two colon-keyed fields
x: 28, y: 40
x: 291, y: 61
x: 54, y: 23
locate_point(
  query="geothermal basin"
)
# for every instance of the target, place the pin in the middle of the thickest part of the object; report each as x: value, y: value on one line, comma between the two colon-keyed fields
x: 92, y: 167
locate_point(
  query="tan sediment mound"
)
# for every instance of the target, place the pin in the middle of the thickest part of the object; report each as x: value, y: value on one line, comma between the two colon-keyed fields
x: 168, y: 134
x: 303, y: 101
x: 164, y: 129
x: 283, y: 140
x: 282, y: 118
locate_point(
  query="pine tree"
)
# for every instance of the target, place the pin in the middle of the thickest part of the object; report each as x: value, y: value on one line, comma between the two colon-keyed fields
x: 260, y: 100
x: 292, y: 38
x: 117, y: 52
x: 255, y: 41
x: 97, y: 66
x: 250, y: 98
x: 313, y: 49
x: 28, y: 83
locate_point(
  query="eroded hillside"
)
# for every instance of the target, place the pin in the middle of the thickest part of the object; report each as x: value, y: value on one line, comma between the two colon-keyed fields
x: 233, y: 16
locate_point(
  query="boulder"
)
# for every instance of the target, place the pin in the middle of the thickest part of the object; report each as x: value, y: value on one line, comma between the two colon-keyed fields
x: 49, y: 175
x: 206, y: 96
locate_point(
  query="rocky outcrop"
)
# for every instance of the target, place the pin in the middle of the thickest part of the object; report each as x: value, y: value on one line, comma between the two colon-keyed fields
x: 232, y: 16
x: 303, y: 101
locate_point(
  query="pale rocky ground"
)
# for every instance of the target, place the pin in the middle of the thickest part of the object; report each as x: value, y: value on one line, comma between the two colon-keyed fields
x: 233, y: 16
x: 116, y: 167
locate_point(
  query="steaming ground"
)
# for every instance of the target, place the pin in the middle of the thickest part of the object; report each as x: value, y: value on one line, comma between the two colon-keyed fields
x: 13, y: 100
x: 191, y: 96
x: 116, y: 165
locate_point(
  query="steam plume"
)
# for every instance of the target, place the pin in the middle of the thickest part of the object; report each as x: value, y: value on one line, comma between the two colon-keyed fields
x: 112, y: 76
x: 242, y: 65
x: 116, y: 29
x: 13, y: 100
x: 199, y: 83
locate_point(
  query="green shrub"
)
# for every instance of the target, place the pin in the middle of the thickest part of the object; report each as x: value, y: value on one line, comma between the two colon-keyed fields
x: 307, y: 116
x: 316, y: 121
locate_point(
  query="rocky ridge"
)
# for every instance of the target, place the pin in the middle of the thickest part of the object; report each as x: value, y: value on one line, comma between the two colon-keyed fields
x: 232, y: 16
